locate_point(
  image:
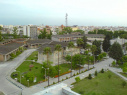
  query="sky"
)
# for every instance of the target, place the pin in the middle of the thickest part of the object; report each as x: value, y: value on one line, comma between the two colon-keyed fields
x: 52, y: 12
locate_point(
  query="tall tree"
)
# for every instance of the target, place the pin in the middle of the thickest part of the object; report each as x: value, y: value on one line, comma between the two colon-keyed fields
x: 115, y: 51
x: 88, y: 46
x: 80, y: 42
x: 77, y: 60
x: 0, y: 34
x: 93, y: 49
x: 15, y: 30
x: 85, y: 42
x: 47, y: 51
x: 106, y: 43
x: 71, y: 45
x: 43, y: 34
x: 58, y: 48
x: 98, y: 44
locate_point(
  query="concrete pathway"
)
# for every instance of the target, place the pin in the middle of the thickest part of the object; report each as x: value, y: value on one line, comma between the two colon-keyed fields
x: 7, y: 67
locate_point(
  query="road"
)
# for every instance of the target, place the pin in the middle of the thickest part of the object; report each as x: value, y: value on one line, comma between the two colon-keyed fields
x: 5, y: 67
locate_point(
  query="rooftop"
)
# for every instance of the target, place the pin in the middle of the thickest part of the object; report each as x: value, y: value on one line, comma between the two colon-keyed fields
x: 39, y: 41
x: 4, y: 49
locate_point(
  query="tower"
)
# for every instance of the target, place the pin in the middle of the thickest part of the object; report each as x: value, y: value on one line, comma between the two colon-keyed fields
x: 66, y: 19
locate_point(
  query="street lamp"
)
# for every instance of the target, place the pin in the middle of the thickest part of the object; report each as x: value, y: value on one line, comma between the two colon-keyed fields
x: 45, y: 72
x: 28, y: 83
x: 19, y: 73
x: 70, y: 69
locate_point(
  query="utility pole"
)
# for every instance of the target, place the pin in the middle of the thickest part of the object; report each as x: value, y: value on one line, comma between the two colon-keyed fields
x: 66, y: 19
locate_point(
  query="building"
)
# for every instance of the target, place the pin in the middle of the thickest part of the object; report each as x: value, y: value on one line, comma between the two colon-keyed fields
x: 10, y: 46
x: 54, y: 56
x: 59, y: 89
x: 74, y: 37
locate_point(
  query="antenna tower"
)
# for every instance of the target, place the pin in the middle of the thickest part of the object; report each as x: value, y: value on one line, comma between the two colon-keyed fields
x: 66, y: 19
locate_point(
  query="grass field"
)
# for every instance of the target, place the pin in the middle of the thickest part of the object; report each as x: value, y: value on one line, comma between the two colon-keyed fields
x: 101, y: 85
x: 25, y: 69
x: 33, y: 56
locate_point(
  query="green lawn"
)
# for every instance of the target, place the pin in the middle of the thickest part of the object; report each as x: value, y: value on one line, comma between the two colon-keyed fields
x: 33, y: 56
x: 101, y: 85
x: 124, y: 74
x: 64, y: 68
x: 25, y: 69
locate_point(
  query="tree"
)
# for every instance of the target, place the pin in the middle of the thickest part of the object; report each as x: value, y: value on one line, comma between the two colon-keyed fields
x: 85, y: 41
x: 68, y: 58
x: 115, y: 51
x: 98, y: 44
x: 80, y: 42
x: 125, y: 67
x: 67, y: 30
x: 88, y: 46
x: 43, y: 34
x: 106, y: 43
x: 77, y: 60
x: 93, y: 49
x: 47, y: 51
x: 71, y: 45
x: 15, y: 30
x: 0, y: 34
x: 58, y: 48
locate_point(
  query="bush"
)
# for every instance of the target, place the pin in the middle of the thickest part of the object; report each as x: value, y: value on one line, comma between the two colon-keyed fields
x: 104, y: 54
x: 113, y: 63
x: 77, y: 79
x: 74, y: 74
x: 90, y: 76
x: 36, y: 67
x: 54, y: 83
x: 82, y: 72
x: 62, y: 79
x: 66, y: 77
x: 109, y: 76
x: 102, y: 70
x: 77, y: 73
x: 124, y: 83
x: 95, y: 73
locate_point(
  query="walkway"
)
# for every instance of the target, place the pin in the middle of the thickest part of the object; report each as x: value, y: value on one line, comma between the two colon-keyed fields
x: 7, y: 67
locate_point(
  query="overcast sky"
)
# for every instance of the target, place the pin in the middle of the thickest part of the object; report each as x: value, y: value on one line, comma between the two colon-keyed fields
x: 52, y: 12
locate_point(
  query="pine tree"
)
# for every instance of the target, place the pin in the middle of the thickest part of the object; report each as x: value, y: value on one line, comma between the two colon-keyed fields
x: 97, y: 44
x: 106, y: 43
x: 115, y: 51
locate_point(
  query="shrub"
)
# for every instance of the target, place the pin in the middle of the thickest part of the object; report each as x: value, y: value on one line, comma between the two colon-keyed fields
x: 54, y: 83
x: 77, y: 79
x: 36, y: 67
x: 90, y: 76
x: 124, y: 83
x: 62, y: 79
x: 74, y: 74
x: 85, y: 70
x: 113, y: 63
x: 77, y: 73
x: 66, y: 77
x: 102, y: 70
x: 109, y: 76
x: 95, y: 73
x: 82, y: 72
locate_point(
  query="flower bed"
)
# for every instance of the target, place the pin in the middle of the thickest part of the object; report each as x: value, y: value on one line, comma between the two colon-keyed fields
x: 62, y: 74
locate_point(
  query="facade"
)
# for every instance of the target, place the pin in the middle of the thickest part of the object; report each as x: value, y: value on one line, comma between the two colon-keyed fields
x: 8, y: 47
x: 54, y: 56
x: 74, y: 37
x: 59, y: 89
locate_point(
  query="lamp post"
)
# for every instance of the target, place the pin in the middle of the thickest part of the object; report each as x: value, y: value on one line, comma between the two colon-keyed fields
x: 19, y: 73
x: 28, y: 83
x: 70, y: 69
x: 45, y: 72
